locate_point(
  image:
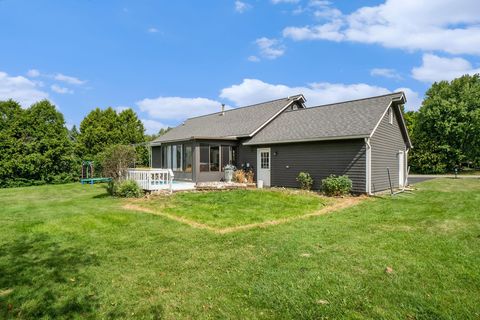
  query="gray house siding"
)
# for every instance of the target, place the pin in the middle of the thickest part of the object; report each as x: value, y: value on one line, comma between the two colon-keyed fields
x: 320, y: 159
x: 386, y: 143
x: 247, y: 155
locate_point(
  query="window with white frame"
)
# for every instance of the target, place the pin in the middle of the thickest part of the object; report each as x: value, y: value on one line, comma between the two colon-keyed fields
x: 265, y: 160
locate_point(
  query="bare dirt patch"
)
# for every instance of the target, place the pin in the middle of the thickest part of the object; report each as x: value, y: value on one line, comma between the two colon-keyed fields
x: 337, y: 204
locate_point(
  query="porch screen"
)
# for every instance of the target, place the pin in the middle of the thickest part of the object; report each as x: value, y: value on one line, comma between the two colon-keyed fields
x: 226, y: 156
x: 204, y: 158
x: 187, y: 159
x: 214, y: 158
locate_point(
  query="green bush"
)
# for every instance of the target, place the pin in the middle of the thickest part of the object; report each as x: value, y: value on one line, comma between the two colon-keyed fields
x: 305, y: 180
x: 336, y: 186
x: 124, y: 189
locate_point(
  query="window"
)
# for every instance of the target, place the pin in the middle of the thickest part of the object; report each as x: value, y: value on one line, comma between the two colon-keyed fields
x: 214, y: 158
x: 187, y: 159
x: 390, y: 115
x: 204, y: 158
x: 265, y: 160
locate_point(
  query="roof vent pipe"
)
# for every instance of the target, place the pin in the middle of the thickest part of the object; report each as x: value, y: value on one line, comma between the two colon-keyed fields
x: 223, y: 109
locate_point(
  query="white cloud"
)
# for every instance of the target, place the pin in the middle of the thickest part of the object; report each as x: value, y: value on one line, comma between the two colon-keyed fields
x: 253, y: 59
x: 441, y: 25
x: 385, y: 72
x: 152, y: 126
x: 270, y: 48
x: 33, y: 73
x: 435, y: 68
x: 153, y: 30
x: 178, y: 108
x: 20, y: 89
x: 62, y: 90
x: 241, y: 6
x: 284, y: 1
x: 252, y: 91
x: 68, y: 79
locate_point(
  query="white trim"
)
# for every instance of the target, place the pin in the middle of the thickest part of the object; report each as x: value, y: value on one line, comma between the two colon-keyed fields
x: 307, y: 140
x: 368, y: 166
x: 275, y: 115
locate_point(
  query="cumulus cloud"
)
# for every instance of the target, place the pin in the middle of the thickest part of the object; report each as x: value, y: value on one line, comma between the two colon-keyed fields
x: 270, y: 48
x: 253, y: 59
x: 68, y: 79
x: 33, y: 73
x: 177, y: 108
x: 241, y: 6
x: 252, y: 91
x: 440, y: 25
x: 152, y: 126
x: 20, y: 89
x: 435, y: 68
x: 62, y: 90
x: 385, y: 72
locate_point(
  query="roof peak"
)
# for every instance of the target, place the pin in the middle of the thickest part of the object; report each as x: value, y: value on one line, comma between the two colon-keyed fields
x: 355, y: 100
x: 294, y: 97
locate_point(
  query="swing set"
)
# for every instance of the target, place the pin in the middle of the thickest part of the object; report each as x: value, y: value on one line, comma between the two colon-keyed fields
x: 88, y: 176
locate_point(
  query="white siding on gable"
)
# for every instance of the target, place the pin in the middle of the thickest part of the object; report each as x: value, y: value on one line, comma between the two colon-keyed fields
x: 387, y: 142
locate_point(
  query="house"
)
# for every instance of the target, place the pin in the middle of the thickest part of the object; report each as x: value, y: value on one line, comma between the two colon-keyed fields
x: 278, y: 139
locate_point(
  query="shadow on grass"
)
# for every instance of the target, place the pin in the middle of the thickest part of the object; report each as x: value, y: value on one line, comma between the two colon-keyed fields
x: 40, y: 278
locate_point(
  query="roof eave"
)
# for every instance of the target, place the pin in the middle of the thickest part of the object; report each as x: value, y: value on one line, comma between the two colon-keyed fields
x: 361, y: 136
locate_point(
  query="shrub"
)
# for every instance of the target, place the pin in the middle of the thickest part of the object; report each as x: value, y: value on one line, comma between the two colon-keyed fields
x: 336, y: 186
x: 305, y: 180
x: 239, y: 176
x: 249, y: 175
x: 124, y: 189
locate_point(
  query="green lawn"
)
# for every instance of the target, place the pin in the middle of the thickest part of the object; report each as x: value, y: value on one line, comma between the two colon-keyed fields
x: 70, y: 251
x: 237, y: 207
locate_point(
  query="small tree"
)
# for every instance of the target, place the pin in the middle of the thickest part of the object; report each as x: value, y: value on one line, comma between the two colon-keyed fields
x: 115, y: 161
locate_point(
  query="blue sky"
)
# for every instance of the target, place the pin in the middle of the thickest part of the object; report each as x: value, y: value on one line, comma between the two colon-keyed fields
x: 169, y: 60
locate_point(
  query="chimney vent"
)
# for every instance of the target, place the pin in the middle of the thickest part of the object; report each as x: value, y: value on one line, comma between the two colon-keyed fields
x: 223, y: 109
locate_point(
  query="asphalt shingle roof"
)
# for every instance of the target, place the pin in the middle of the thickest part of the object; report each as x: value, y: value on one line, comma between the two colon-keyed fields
x: 233, y: 123
x: 345, y: 119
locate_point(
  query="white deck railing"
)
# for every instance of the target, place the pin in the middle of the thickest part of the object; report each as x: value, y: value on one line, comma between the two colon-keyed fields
x: 152, y: 179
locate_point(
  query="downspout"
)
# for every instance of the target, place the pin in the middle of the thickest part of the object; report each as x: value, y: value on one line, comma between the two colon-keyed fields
x: 368, y: 170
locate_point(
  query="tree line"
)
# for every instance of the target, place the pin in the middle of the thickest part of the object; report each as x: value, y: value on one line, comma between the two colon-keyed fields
x: 445, y: 131
x: 37, y: 148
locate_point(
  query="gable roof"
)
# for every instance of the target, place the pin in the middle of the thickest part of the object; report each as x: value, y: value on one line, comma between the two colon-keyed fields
x: 344, y: 120
x: 239, y: 122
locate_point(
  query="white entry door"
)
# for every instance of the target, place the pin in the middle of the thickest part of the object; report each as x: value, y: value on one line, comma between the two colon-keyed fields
x: 401, y: 168
x: 263, y: 165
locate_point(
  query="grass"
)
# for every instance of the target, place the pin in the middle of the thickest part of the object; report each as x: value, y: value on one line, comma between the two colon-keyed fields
x: 237, y: 207
x: 71, y: 252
